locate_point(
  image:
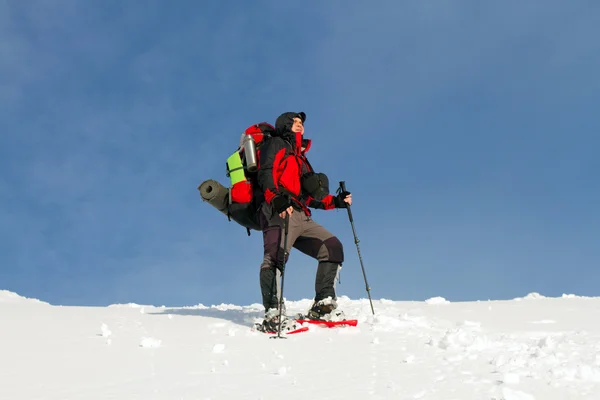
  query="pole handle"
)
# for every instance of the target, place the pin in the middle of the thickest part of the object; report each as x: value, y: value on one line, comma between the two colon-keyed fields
x: 343, y: 189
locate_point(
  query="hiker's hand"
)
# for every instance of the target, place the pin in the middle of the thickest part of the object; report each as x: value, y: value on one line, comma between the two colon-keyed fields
x: 289, y: 211
x: 348, y: 199
x: 343, y: 200
x: 281, y: 203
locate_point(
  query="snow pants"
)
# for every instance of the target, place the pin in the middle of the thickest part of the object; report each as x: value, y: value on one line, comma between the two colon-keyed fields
x: 305, y: 235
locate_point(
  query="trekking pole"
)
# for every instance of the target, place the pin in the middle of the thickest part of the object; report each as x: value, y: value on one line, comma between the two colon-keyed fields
x: 340, y: 190
x: 286, y: 225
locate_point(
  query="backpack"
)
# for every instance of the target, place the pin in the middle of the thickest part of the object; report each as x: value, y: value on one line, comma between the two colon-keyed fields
x: 245, y: 197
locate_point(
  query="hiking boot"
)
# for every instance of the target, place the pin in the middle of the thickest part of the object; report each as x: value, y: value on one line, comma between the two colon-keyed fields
x: 271, y: 322
x: 326, y: 309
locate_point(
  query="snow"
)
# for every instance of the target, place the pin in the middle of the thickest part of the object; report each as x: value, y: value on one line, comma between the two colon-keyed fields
x: 534, y: 347
x: 437, y: 300
x: 11, y: 297
x: 150, y: 342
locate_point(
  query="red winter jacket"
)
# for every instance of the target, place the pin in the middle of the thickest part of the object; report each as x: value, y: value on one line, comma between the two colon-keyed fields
x: 282, y: 164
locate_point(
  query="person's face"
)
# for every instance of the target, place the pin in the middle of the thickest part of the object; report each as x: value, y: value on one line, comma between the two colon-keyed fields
x: 298, y: 126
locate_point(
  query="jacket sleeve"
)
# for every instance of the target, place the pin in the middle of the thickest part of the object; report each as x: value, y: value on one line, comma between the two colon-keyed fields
x: 326, y: 204
x: 270, y: 158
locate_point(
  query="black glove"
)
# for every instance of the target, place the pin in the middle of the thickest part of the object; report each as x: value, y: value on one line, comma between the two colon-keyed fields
x: 280, y: 203
x: 338, y: 201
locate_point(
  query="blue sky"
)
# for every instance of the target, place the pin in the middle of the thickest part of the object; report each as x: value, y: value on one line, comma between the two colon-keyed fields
x: 468, y: 134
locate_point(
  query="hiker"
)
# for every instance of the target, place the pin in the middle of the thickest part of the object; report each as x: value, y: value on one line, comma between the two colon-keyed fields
x: 290, y: 187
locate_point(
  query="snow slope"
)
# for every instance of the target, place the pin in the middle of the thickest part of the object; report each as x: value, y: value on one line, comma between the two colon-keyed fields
x: 528, y: 348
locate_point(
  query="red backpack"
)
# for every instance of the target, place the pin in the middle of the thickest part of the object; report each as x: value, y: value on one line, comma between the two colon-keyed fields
x: 245, y: 197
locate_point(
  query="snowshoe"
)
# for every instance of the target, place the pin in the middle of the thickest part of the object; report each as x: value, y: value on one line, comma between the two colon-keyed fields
x: 270, y: 323
x: 329, y: 324
x: 325, y: 310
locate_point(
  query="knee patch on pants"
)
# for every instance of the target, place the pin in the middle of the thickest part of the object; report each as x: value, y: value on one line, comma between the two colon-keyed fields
x: 335, y: 250
x: 273, y: 254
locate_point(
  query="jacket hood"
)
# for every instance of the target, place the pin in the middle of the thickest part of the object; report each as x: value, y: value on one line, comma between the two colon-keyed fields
x: 283, y: 125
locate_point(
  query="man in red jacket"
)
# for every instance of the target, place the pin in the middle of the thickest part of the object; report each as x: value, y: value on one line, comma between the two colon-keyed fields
x: 290, y: 187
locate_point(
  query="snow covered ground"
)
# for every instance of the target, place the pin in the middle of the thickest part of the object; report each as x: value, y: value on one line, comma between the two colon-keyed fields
x: 528, y: 348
